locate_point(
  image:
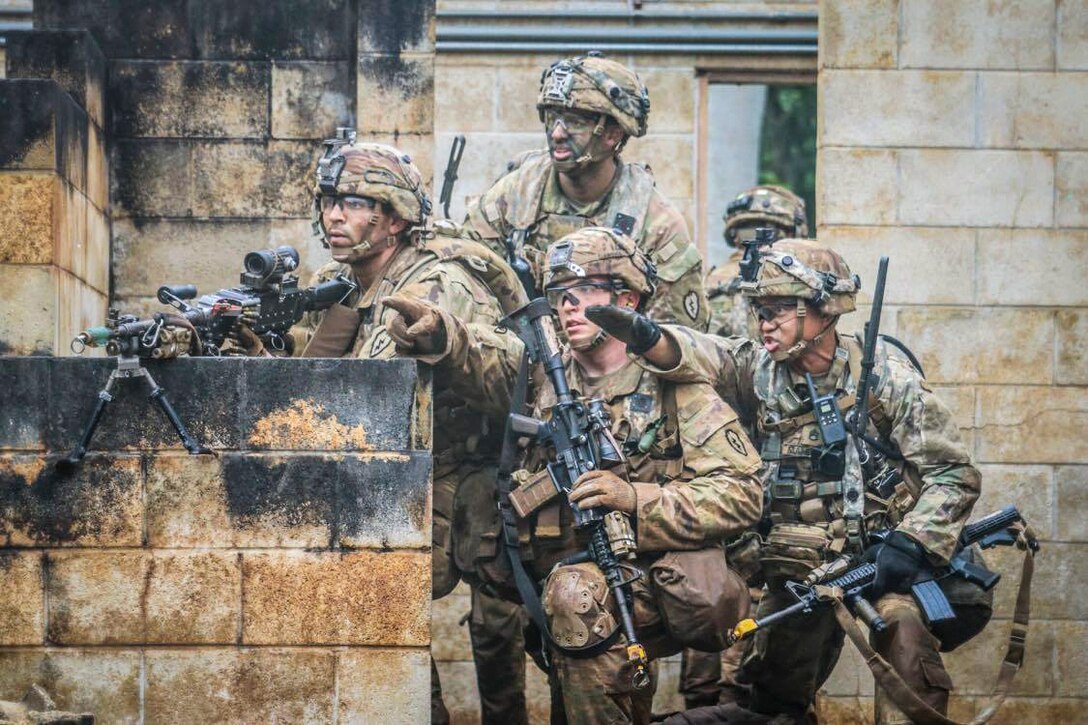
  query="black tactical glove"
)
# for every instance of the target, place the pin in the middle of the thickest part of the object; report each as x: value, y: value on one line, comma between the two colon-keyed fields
x: 637, y: 330
x: 898, y: 561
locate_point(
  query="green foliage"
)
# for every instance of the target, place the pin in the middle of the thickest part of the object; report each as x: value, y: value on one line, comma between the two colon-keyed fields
x: 787, y: 146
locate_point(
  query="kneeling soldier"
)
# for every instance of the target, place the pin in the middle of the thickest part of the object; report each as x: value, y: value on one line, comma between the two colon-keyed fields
x: 910, y: 474
x: 686, y: 481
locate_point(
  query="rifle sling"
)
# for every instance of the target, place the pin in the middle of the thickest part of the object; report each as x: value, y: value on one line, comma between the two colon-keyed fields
x: 905, y: 698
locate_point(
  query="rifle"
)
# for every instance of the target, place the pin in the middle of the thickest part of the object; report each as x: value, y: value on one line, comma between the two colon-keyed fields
x: 457, y: 149
x: 269, y: 301
x: 579, y: 434
x: 1004, y: 527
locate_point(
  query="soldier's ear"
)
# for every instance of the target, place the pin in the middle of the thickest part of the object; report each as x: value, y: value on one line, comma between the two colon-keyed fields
x: 397, y: 226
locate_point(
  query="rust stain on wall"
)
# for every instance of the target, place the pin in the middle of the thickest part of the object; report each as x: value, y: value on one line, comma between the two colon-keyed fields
x: 305, y: 425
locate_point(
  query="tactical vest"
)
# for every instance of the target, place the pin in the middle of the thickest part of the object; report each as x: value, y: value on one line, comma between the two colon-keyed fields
x: 534, y: 228
x: 796, y: 490
x: 648, y: 414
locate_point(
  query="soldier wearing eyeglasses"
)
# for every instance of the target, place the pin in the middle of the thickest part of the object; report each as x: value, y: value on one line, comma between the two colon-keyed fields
x: 590, y: 107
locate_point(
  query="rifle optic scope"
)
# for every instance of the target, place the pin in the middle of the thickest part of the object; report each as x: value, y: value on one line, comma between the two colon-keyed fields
x: 267, y: 266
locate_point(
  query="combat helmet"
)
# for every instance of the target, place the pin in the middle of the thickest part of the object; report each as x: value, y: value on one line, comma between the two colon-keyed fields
x: 808, y: 272
x: 600, y: 252
x: 773, y: 206
x: 373, y: 170
x: 595, y: 84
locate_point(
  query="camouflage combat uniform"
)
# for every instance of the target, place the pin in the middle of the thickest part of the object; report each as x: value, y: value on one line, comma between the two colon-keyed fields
x: 695, y: 487
x: 807, y: 512
x: 528, y: 206
x: 704, y: 678
x: 468, y: 281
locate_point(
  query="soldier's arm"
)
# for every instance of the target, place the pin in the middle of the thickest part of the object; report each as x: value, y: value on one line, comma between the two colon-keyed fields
x: 720, y: 494
x: 681, y: 293
x: 923, y: 428
x: 486, y: 219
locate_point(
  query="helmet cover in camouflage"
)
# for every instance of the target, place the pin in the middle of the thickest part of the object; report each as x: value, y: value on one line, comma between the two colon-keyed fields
x: 766, y: 205
x: 596, y: 84
x: 600, y: 252
x: 802, y: 268
x: 376, y: 171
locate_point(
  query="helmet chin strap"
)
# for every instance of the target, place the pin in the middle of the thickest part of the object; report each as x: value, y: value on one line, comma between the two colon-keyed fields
x: 592, y: 153
x: 800, y: 345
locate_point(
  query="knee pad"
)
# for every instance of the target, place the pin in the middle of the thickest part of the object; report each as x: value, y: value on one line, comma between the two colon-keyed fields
x: 576, y: 602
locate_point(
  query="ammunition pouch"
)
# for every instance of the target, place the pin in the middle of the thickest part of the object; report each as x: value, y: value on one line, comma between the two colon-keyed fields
x: 699, y: 597
x: 972, y: 604
x: 791, y: 551
x: 743, y: 554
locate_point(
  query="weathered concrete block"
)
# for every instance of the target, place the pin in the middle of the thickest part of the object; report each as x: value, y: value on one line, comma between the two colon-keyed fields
x: 96, y: 597
x: 961, y: 400
x: 515, y: 104
x: 29, y: 327
x: 927, y: 266
x: 671, y: 89
x: 70, y: 229
x: 220, y: 685
x: 1032, y: 267
x: 1029, y: 488
x: 1071, y: 360
x: 42, y: 128
x: 1018, y: 36
x: 844, y: 710
x: 22, y: 611
x: 98, y: 169
x: 1071, y: 190
x: 186, y: 99
x: 941, y: 107
x: 1018, y: 344
x: 127, y: 28
x: 1033, y: 110
x: 462, y: 699
x: 193, y: 598
x: 859, y: 34
x: 79, y: 307
x: 292, y: 422
x: 392, y: 27
x: 209, y: 254
x: 851, y: 676
x: 151, y: 178
x: 1018, y: 425
x: 672, y: 159
x: 1066, y: 565
x: 284, y: 29
x: 70, y: 57
x: 396, y: 93
x: 1072, y: 669
x: 311, y: 99
x: 103, y: 681
x: 26, y: 237
x: 1071, y: 484
x: 389, y: 686
x: 1072, y: 52
x: 251, y: 179
x: 464, y: 100
x: 1006, y: 189
x: 96, y: 258
x: 311, y: 501
x: 491, y: 152
x: 23, y: 387
x: 295, y: 597
x: 974, y: 666
x: 856, y: 186
x: 205, y: 392
x: 97, y: 504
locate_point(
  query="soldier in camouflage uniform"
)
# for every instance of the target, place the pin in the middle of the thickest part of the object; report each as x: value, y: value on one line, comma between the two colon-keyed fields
x: 688, y: 482
x: 761, y: 206
x: 816, y: 513
x: 704, y: 678
x: 590, y: 106
x: 370, y: 210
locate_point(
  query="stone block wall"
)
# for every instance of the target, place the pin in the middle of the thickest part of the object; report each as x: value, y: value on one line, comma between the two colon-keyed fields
x: 54, y: 237
x: 255, y: 585
x: 951, y: 140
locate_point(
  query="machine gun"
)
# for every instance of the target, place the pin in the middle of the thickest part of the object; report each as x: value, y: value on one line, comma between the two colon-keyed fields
x: 579, y: 435
x: 1005, y: 527
x: 268, y: 301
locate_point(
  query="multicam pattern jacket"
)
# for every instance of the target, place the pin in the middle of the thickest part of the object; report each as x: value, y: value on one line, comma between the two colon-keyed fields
x: 908, y: 415
x: 529, y: 201
x: 728, y: 308
x: 697, y: 483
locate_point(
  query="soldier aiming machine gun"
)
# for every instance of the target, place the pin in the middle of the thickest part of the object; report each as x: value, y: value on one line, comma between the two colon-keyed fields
x: 579, y: 435
x: 268, y: 301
